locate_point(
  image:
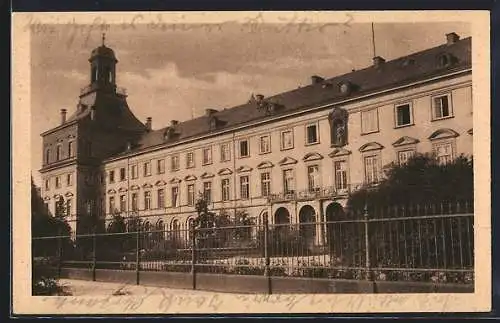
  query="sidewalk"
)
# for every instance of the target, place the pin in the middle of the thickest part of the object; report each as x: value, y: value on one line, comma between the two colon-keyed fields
x: 91, y: 288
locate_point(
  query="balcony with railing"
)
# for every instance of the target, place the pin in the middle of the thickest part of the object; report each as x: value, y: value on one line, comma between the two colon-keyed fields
x: 319, y: 193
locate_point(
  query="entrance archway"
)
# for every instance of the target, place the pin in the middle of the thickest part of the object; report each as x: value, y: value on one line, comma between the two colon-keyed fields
x: 334, y: 231
x: 307, y: 224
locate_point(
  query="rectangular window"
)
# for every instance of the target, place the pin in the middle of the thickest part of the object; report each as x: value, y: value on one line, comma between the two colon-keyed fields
x: 111, y: 204
x: 147, y: 169
x: 444, y: 152
x: 403, y: 156
x: 122, y: 174
x: 47, y: 156
x: 190, y: 194
x: 441, y: 107
x: 265, y: 184
x: 134, y: 202
x: 123, y: 203
x: 161, y: 198
x: 174, y: 163
x: 244, y: 188
x: 207, y: 155
x: 69, y: 204
x: 312, y: 134
x: 369, y: 121
x: 244, y: 149
x: 288, y: 181
x: 372, y: 169
x: 47, y: 184
x: 175, y: 196
x: 403, y: 115
x: 160, y: 166
x: 225, y: 189
x: 58, y: 152
x: 58, y: 182
x: 340, y: 168
x: 313, y: 178
x: 225, y: 152
x: 111, y: 176
x: 265, y: 144
x: 207, y: 191
x: 69, y: 179
x: 190, y: 160
x: 134, y: 171
x: 147, y: 200
x: 71, y: 149
x: 286, y: 139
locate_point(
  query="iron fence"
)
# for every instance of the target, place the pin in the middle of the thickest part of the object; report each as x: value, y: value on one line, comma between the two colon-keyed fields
x: 432, y: 243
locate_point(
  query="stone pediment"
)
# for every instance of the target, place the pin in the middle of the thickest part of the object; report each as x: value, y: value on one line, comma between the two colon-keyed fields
x: 207, y: 175
x: 265, y: 164
x: 111, y: 191
x: 46, y: 198
x: 287, y: 161
x: 243, y: 169
x: 470, y: 131
x: 405, y: 140
x: 174, y: 180
x: 339, y: 152
x: 190, y: 178
x: 312, y: 157
x: 370, y: 146
x: 443, y: 134
x: 225, y: 171
x: 147, y: 185
x: 161, y: 183
x: 122, y: 189
x: 68, y: 194
x: 134, y: 187
x: 57, y: 196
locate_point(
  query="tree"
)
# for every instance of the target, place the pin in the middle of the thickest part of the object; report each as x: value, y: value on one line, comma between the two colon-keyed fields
x: 422, y: 180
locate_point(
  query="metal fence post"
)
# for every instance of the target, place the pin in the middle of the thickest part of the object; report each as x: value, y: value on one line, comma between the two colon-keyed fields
x: 60, y: 254
x: 267, y: 271
x: 193, y: 255
x: 368, y: 270
x: 137, y: 253
x: 94, y: 255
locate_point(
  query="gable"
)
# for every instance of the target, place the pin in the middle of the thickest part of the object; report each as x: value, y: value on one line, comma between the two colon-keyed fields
x: 207, y: 175
x: 243, y: 169
x: 190, y: 178
x: 265, y: 164
x: 287, y: 161
x: 225, y: 171
x: 405, y: 140
x: 370, y: 146
x: 443, y: 133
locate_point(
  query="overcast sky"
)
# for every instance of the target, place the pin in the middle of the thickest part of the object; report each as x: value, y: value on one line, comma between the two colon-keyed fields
x: 177, y: 74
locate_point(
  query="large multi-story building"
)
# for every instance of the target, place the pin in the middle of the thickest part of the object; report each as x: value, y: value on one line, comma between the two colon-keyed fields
x: 295, y: 156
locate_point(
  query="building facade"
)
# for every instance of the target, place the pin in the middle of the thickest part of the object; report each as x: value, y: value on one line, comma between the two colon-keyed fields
x: 295, y: 156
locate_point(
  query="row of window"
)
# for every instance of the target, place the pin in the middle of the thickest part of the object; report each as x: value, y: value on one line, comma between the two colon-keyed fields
x: 57, y: 181
x: 372, y: 173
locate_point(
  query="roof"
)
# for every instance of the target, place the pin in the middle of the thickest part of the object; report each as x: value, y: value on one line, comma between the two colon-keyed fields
x: 415, y: 67
x: 103, y: 51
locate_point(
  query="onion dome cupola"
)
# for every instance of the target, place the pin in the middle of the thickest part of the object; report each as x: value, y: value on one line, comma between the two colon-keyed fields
x: 103, y: 67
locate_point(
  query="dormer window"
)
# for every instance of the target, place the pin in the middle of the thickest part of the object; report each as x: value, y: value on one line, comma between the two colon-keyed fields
x: 169, y: 133
x: 445, y: 60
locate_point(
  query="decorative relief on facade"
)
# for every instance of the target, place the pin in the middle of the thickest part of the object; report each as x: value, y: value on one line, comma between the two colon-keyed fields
x: 287, y: 161
x: 265, y: 164
x: 243, y: 169
x: 190, y: 178
x: 161, y: 183
x: 225, y: 171
x: 443, y: 134
x: 338, y: 127
x: 207, y: 175
x: 339, y: 152
x: 370, y: 146
x: 312, y: 157
x: 405, y: 140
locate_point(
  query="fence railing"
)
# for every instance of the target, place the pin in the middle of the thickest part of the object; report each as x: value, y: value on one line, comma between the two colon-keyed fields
x: 414, y: 244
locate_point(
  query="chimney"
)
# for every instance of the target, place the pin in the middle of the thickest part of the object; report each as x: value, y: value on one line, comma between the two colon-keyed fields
x: 209, y: 112
x: 63, y: 116
x: 378, y: 61
x: 315, y: 79
x: 149, y: 123
x: 452, y: 38
x: 173, y: 123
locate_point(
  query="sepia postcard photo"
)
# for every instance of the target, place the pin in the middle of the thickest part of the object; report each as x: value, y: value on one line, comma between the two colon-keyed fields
x: 251, y: 162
